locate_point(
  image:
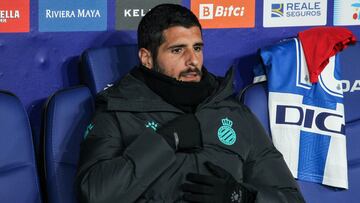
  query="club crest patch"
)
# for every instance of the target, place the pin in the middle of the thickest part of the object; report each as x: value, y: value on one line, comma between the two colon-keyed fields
x: 226, y: 134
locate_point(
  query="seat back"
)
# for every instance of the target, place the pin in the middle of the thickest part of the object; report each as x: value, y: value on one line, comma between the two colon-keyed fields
x: 69, y: 111
x: 350, y: 64
x: 19, y: 181
x: 67, y: 114
x: 100, y: 67
x: 255, y: 97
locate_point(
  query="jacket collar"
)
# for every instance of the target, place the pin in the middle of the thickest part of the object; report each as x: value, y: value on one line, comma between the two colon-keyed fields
x: 131, y: 94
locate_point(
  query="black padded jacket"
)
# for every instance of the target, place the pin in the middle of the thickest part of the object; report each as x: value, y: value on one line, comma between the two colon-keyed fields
x: 123, y: 159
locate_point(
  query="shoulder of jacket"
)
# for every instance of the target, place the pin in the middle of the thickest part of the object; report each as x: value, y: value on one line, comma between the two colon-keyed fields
x: 112, y: 91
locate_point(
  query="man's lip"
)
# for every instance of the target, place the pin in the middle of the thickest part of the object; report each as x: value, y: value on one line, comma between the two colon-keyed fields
x: 190, y: 77
x: 191, y: 74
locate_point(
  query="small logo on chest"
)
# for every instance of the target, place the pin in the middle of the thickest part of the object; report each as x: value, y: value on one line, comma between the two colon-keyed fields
x: 226, y: 134
x: 152, y: 124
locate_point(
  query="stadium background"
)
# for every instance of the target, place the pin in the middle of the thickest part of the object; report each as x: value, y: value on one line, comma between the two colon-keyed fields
x: 43, y: 57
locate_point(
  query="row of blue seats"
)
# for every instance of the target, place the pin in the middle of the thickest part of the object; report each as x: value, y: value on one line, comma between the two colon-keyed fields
x: 50, y: 178
x: 69, y: 111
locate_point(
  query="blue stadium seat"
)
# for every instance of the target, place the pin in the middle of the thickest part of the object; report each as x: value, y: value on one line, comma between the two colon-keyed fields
x: 67, y: 114
x: 255, y: 97
x: 19, y: 181
x: 69, y: 111
x: 100, y: 67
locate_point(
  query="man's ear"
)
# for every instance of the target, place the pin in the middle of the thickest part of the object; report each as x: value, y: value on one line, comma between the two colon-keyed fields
x: 146, y: 58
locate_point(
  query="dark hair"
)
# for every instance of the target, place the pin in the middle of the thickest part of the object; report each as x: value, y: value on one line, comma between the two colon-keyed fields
x: 160, y: 18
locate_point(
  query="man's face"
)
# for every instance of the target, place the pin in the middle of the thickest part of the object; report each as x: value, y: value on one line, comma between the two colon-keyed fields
x: 180, y: 56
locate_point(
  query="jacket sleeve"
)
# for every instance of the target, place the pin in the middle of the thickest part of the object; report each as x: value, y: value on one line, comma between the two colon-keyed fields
x: 110, y: 172
x: 265, y: 169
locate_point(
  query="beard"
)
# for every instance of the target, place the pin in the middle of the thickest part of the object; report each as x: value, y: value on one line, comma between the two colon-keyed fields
x: 183, y: 73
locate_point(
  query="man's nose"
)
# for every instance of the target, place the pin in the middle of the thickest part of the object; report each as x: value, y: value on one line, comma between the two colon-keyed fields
x: 192, y: 58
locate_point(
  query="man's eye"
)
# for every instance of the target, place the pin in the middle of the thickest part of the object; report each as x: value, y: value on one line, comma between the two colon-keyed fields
x: 198, y: 48
x: 176, y: 50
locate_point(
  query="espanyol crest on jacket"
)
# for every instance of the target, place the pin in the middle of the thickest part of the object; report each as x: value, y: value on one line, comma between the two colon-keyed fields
x: 225, y: 133
x: 306, y: 120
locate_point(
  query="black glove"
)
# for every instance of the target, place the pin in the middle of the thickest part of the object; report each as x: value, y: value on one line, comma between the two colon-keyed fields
x: 221, y: 188
x: 182, y: 133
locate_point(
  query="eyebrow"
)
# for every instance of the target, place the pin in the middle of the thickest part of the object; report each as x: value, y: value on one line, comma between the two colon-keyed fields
x: 199, y: 44
x: 184, y: 45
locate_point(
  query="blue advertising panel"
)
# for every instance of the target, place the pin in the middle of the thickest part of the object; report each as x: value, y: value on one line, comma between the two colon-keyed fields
x: 69, y: 15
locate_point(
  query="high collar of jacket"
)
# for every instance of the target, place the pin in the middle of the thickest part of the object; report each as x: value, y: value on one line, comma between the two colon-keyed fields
x: 183, y: 95
x: 132, y: 94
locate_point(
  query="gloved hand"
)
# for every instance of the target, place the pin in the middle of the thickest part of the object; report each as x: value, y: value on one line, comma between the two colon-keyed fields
x: 221, y: 188
x: 182, y: 133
